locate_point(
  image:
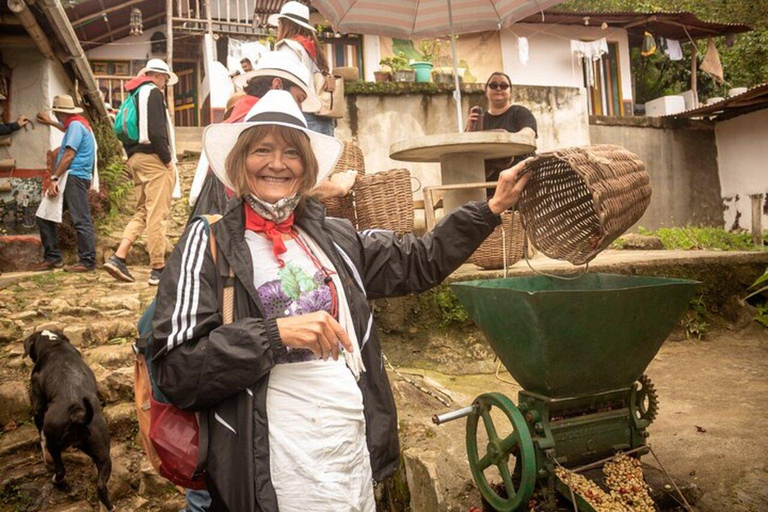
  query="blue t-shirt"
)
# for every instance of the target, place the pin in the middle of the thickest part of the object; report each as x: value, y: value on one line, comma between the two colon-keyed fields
x: 80, y: 139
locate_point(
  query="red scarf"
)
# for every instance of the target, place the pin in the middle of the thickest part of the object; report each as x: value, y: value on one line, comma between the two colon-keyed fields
x: 309, y: 44
x: 79, y: 118
x: 258, y: 224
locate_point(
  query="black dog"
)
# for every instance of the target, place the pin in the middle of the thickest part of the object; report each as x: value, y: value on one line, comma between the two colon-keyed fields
x: 66, y: 407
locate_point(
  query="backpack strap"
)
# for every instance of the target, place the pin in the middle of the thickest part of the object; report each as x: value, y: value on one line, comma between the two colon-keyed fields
x: 228, y: 292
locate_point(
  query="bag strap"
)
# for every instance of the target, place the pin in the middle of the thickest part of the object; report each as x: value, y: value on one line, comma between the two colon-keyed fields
x: 228, y: 292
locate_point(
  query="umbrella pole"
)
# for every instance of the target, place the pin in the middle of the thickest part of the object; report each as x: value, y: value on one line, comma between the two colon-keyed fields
x: 457, y: 91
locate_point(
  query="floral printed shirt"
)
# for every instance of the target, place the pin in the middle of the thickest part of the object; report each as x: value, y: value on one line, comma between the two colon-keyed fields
x: 296, y: 289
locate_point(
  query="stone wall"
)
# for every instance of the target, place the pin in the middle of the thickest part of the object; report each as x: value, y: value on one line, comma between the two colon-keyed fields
x: 376, y: 121
x: 681, y: 158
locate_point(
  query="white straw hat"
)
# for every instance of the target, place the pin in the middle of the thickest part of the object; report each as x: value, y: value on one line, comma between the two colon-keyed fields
x: 294, y: 11
x: 159, y: 66
x: 65, y: 104
x: 277, y: 107
x: 288, y: 67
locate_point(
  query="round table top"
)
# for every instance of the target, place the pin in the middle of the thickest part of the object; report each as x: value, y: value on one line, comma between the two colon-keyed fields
x: 491, y: 144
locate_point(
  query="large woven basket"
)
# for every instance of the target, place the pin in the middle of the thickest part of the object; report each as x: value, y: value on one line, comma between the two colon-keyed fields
x: 579, y: 200
x: 344, y: 207
x: 384, y: 201
x: 510, y: 233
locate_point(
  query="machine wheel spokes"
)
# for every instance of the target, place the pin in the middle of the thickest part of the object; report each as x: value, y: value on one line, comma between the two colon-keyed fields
x: 497, y: 453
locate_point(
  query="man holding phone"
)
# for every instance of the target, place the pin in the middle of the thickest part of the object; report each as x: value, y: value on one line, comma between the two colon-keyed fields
x: 501, y: 115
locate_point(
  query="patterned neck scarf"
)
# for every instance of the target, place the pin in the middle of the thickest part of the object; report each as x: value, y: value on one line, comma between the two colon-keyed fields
x: 274, y: 220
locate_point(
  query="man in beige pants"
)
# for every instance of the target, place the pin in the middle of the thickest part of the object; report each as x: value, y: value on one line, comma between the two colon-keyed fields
x: 154, y: 174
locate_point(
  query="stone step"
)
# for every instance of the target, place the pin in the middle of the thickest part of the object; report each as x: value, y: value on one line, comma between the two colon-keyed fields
x: 23, y: 438
x: 122, y: 421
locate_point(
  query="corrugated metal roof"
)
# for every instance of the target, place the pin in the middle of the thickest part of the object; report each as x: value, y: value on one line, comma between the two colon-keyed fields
x: 755, y: 98
x: 671, y: 25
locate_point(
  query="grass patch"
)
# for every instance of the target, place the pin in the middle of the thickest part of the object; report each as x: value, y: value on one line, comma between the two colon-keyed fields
x: 692, y: 237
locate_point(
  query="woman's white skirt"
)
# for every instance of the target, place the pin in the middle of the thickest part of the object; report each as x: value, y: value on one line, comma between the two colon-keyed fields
x: 319, y: 458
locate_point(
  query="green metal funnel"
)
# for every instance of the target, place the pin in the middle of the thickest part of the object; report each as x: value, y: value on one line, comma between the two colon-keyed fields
x: 563, y: 338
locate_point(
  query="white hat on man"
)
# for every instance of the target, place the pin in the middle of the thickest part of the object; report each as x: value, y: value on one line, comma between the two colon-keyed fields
x: 294, y: 11
x: 277, y: 107
x: 159, y: 66
x: 284, y: 65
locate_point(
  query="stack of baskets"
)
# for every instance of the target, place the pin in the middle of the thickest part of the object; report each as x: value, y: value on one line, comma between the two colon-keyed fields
x: 509, y: 235
x: 380, y: 201
x: 384, y: 200
x: 579, y: 200
x: 351, y: 159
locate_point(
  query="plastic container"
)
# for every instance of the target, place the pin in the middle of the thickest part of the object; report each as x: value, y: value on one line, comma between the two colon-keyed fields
x: 423, y: 71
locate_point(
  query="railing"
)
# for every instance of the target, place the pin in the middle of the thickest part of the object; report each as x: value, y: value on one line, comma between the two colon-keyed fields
x: 243, y: 17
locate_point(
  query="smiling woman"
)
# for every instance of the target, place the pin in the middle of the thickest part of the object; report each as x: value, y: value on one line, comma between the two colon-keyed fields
x: 281, y: 387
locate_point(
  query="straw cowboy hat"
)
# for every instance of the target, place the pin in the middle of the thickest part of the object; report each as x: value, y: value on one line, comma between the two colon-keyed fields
x: 159, y: 66
x: 284, y: 65
x: 65, y: 104
x: 294, y: 11
x: 277, y: 107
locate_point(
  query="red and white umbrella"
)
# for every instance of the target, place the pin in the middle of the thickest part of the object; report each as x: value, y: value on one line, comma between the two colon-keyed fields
x: 410, y: 19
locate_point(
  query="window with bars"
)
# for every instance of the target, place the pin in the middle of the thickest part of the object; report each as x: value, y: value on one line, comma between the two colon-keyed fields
x: 344, y: 51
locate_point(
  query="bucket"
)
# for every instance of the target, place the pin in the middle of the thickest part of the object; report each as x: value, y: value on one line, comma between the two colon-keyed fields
x: 423, y: 70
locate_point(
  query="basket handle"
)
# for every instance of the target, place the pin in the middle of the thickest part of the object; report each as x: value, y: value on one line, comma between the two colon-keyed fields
x: 418, y: 182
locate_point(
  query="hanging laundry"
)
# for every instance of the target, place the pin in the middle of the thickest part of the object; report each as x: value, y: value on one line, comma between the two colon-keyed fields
x: 522, y: 49
x: 591, y: 51
x: 711, y: 63
x: 672, y: 49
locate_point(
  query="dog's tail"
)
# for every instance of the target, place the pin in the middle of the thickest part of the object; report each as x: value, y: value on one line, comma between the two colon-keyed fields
x: 81, y: 414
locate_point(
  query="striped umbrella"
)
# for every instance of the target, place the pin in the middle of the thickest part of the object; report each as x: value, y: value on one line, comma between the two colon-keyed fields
x: 409, y: 19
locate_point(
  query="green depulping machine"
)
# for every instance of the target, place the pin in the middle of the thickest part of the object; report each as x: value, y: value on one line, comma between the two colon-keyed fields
x: 579, y: 349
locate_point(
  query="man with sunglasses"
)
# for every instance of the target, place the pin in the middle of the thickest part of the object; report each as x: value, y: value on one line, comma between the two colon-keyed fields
x: 501, y: 115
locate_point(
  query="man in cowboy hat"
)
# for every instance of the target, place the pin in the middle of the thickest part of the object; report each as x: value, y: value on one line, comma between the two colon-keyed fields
x: 70, y: 181
x: 151, y: 161
x: 8, y: 128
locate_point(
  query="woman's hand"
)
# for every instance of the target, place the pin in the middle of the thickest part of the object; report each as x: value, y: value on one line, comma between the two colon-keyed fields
x: 318, y: 332
x: 508, y: 189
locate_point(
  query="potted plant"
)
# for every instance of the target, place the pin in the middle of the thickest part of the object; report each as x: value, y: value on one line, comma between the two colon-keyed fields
x: 399, y: 65
x: 430, y: 50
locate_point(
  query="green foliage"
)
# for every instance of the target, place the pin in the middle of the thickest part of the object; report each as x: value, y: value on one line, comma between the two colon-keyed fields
x: 745, y: 63
x: 761, y: 316
x: 694, y: 237
x: 395, y: 62
x: 114, y: 181
x: 451, y: 312
x: 398, y: 88
x: 760, y: 284
x: 693, y: 322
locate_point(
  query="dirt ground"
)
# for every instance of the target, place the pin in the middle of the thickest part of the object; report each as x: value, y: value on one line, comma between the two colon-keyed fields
x: 709, y: 430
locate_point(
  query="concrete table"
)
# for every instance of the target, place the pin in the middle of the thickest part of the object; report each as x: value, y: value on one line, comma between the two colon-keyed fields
x: 462, y: 158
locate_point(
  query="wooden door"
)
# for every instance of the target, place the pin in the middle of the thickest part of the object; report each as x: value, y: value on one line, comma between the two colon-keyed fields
x: 185, y: 94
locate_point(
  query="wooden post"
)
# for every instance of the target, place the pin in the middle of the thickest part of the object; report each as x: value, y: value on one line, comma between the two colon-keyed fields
x: 694, y: 67
x: 757, y: 219
x: 169, y: 55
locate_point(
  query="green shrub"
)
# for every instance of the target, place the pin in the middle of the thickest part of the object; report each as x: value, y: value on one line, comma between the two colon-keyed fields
x: 693, y: 237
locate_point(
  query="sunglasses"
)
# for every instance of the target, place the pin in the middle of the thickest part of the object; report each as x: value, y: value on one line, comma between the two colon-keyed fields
x: 498, y: 85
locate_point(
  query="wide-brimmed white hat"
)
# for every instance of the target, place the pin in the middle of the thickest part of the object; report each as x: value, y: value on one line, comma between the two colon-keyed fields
x: 65, y: 104
x: 277, y: 107
x: 159, y: 66
x: 294, y: 11
x: 288, y: 67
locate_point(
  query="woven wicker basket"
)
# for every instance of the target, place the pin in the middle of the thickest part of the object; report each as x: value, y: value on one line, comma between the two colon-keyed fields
x: 384, y: 201
x: 344, y: 207
x: 579, y: 200
x: 490, y: 254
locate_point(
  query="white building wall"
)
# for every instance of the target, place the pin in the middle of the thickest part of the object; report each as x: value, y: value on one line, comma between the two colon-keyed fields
x: 371, y: 56
x: 127, y: 48
x: 550, y: 61
x: 742, y: 155
x: 34, y: 82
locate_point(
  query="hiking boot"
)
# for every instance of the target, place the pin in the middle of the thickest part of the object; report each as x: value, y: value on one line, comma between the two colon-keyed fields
x: 154, y: 276
x: 79, y: 268
x: 47, y: 265
x: 118, y: 269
